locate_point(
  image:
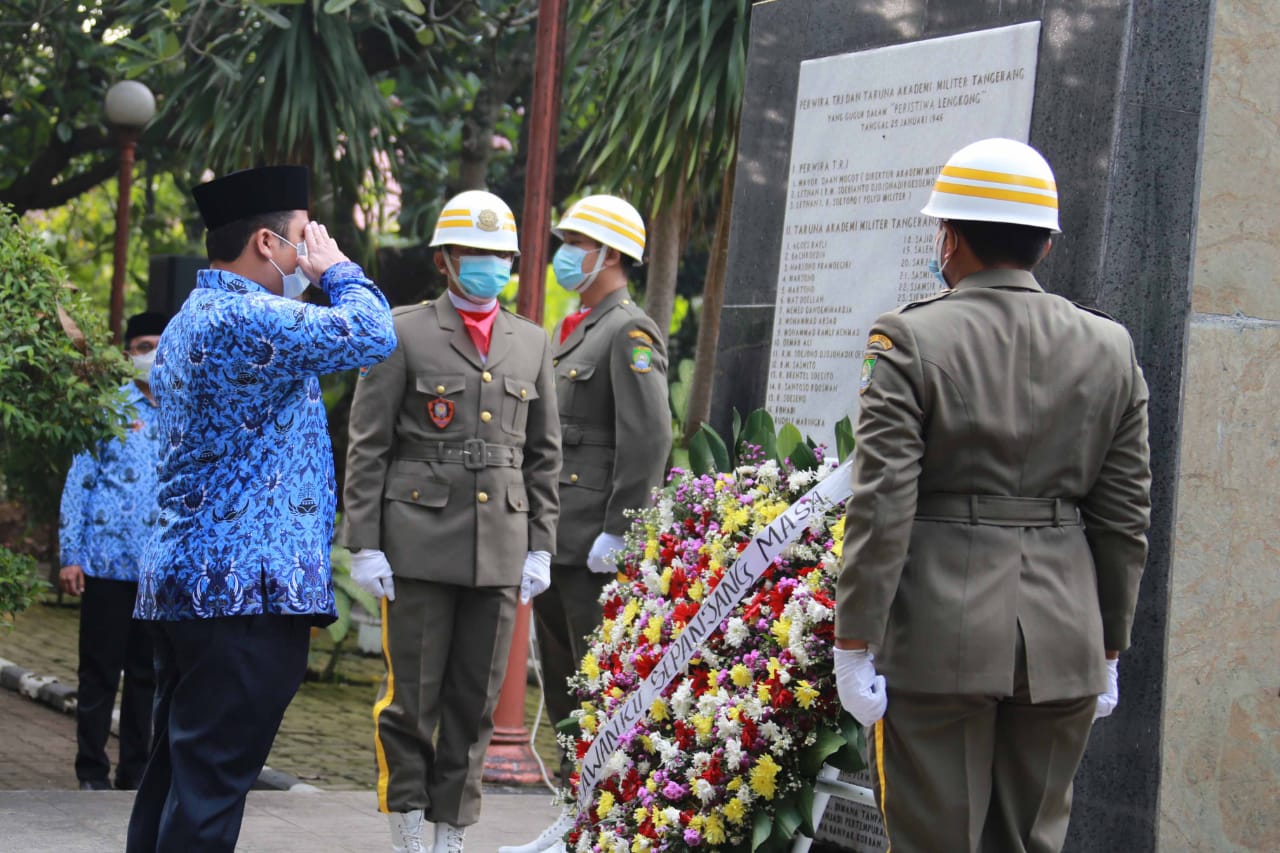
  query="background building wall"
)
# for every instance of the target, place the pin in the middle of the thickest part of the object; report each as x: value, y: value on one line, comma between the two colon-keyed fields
x: 1220, y: 780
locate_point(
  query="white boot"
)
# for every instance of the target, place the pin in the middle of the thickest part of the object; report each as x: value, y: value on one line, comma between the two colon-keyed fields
x: 448, y: 838
x: 406, y: 832
x: 551, y: 840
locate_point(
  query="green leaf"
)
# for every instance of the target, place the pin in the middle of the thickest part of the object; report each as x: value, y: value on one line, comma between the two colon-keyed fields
x: 425, y: 36
x: 844, y: 438
x: 700, y: 459
x: 804, y: 802
x: 357, y: 594
x: 789, y: 437
x: 803, y: 457
x: 787, y: 818
x: 761, y: 829
x: 828, y: 742
x: 339, y: 629
x: 759, y: 432
x: 334, y: 7
x: 568, y: 726
x: 415, y: 6
x: 719, y: 452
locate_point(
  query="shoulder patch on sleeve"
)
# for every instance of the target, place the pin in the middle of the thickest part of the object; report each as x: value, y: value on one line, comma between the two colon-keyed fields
x: 638, y: 335
x: 868, y: 367
x: 642, y: 358
x: 879, y: 342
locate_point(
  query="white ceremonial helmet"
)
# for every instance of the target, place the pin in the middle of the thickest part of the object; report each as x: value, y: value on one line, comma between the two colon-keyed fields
x: 996, y: 180
x: 477, y: 219
x: 608, y: 220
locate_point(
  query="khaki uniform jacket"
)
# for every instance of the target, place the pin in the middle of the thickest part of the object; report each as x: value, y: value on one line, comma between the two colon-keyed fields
x: 445, y: 521
x: 611, y: 384
x: 997, y: 388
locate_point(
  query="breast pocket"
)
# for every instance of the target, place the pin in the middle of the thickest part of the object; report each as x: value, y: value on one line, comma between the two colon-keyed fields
x: 570, y: 379
x: 515, y: 404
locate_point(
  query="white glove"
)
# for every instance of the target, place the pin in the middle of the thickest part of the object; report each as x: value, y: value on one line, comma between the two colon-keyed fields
x: 605, y: 544
x: 536, y: 576
x: 861, y: 690
x: 1108, y: 701
x: 371, y: 571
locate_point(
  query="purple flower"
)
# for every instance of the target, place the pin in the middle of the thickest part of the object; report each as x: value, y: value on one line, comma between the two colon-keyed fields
x: 692, y: 837
x: 673, y: 791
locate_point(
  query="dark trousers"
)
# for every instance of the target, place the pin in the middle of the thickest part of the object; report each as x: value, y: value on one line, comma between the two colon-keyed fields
x: 111, y: 642
x: 446, y: 650
x: 565, y: 614
x: 978, y: 773
x: 222, y: 689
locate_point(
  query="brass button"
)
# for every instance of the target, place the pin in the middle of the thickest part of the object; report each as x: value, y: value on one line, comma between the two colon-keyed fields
x: 439, y: 389
x: 523, y: 393
x: 483, y: 497
x: 414, y: 495
x: 486, y: 416
x: 573, y: 478
x: 555, y: 362
x: 573, y: 373
x: 487, y: 376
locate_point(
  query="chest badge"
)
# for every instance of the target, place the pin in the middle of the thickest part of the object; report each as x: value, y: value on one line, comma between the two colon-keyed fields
x: 440, y: 411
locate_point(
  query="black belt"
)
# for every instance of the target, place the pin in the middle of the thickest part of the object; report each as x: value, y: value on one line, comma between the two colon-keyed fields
x: 572, y: 435
x: 998, y: 510
x: 474, y: 453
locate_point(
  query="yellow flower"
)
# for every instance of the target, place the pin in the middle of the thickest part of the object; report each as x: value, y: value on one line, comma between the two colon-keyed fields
x: 695, y: 591
x: 651, y: 549
x: 781, y: 630
x: 762, y: 693
x: 588, y: 723
x: 664, y: 582
x: 639, y: 815
x: 616, y: 692
x: 735, y: 713
x: 652, y: 785
x: 734, y: 810
x: 702, y: 724
x: 695, y: 822
x: 713, y: 829
x: 630, y: 611
x: 740, y: 676
x: 806, y: 693
x: 735, y: 518
x: 837, y: 533
x: 640, y: 844
x: 774, y: 666
x: 763, y: 776
x: 659, y: 817
x: 734, y: 784
x: 647, y: 743
x: 658, y: 710
x: 606, y: 803
x: 653, y: 632
x: 591, y: 666
x: 767, y: 511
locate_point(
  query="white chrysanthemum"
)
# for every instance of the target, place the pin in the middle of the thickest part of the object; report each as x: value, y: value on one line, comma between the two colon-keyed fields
x: 617, y: 764
x: 736, y: 633
x: 704, y: 790
x: 732, y: 752
x: 672, y: 814
x: 800, y: 653
x: 727, y: 729
x: 767, y: 474
x: 709, y: 703
x: 800, y: 480
x: 682, y: 700
x: 752, y: 708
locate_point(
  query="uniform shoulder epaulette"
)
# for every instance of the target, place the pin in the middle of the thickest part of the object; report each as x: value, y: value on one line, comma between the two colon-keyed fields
x: 942, y: 294
x: 409, y: 309
x: 1098, y: 311
x: 520, y: 317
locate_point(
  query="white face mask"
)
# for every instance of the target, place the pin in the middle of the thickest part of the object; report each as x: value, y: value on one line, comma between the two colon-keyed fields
x: 294, y: 283
x: 142, y: 365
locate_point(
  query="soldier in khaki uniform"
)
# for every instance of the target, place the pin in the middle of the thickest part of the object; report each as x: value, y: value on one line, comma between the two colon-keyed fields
x: 615, y: 421
x: 997, y: 529
x: 450, y: 512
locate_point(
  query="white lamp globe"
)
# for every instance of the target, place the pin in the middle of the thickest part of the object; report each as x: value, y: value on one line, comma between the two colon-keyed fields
x: 129, y: 104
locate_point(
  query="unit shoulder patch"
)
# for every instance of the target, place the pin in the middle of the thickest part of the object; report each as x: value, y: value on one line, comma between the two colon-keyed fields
x: 640, y: 336
x: 879, y: 342
x: 641, y: 358
x: 868, y: 367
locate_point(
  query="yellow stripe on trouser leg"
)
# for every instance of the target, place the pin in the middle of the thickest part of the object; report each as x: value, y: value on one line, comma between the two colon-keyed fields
x: 378, y: 707
x: 878, y: 732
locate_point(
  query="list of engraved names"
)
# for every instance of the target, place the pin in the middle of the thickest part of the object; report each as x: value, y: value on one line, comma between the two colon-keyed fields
x: 872, y: 129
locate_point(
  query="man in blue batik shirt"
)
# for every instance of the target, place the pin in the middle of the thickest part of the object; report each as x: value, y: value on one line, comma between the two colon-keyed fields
x: 237, y: 572
x: 108, y: 509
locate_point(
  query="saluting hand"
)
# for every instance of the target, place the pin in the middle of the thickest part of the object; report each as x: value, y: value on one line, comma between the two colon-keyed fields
x: 322, y: 252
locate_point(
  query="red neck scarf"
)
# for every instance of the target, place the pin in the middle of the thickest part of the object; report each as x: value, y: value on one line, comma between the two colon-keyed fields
x: 571, y: 322
x: 479, y: 327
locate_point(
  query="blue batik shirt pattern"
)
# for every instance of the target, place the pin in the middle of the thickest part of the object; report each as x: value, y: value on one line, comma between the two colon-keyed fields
x: 109, y: 502
x: 247, y: 492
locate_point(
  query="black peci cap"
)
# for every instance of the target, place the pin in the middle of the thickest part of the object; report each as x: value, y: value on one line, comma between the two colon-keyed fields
x: 250, y: 192
x: 149, y: 323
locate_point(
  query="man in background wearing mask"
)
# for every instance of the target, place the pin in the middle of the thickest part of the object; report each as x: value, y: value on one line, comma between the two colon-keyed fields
x: 108, y: 510
x: 450, y: 512
x: 237, y: 572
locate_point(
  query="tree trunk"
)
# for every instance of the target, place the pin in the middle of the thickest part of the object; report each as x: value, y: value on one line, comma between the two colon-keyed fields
x: 664, y: 263
x: 704, y: 364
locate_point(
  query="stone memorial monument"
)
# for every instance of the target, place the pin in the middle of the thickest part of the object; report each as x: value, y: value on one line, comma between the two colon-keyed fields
x: 850, y: 109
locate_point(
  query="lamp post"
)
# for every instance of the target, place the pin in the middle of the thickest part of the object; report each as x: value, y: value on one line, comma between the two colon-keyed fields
x: 129, y: 106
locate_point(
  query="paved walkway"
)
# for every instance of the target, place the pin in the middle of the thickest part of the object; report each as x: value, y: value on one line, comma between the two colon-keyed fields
x: 326, y: 739
x: 275, y: 821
